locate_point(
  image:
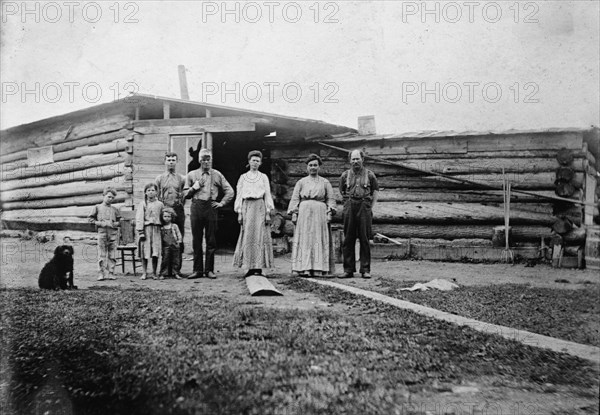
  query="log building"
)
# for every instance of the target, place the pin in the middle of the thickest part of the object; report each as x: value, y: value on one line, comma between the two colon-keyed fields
x: 54, y: 170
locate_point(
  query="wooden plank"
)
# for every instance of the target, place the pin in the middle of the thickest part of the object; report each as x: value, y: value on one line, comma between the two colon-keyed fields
x: 147, y: 153
x: 590, y: 192
x: 258, y: 285
x: 142, y: 141
x: 94, y: 173
x: 195, y: 125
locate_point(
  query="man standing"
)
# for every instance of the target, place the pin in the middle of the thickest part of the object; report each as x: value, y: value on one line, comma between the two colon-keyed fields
x: 170, y: 192
x: 203, y: 187
x: 359, y: 189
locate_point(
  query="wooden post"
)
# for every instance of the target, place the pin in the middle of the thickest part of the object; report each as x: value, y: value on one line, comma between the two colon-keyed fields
x: 137, y: 113
x: 590, y: 190
x: 209, y: 137
x: 166, y: 110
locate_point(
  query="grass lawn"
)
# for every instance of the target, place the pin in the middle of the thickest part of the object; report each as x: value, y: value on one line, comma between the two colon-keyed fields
x: 572, y: 314
x: 154, y: 352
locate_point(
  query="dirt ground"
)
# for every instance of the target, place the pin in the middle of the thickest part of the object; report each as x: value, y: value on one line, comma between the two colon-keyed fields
x: 23, y: 259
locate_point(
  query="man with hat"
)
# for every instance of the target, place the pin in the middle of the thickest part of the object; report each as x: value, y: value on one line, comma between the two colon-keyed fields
x: 203, y: 186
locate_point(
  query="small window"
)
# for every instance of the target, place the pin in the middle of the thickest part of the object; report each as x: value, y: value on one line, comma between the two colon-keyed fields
x: 40, y: 155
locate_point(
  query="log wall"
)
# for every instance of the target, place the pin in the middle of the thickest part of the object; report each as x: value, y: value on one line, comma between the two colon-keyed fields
x: 89, y: 154
x: 417, y: 205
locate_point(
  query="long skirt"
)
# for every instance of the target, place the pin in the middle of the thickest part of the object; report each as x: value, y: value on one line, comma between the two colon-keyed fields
x: 254, y: 246
x: 312, y: 249
x: 151, y: 246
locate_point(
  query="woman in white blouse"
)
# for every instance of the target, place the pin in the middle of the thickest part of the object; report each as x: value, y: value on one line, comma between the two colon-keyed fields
x: 253, y: 204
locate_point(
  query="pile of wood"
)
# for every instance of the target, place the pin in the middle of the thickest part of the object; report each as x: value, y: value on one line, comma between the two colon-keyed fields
x: 57, y: 194
x: 415, y: 204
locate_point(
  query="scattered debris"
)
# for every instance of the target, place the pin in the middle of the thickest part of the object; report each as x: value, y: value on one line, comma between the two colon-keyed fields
x: 438, y: 284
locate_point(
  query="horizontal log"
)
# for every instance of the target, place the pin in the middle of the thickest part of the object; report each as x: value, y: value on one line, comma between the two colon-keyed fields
x: 67, y: 212
x: 115, y: 146
x: 527, y: 181
x: 196, y: 125
x: 61, y: 148
x: 67, y: 189
x: 332, y: 167
x: 300, y: 152
x: 49, y: 224
x: 24, y: 137
x: 82, y: 163
x: 460, y: 253
x: 448, y: 253
x: 381, y: 145
x: 93, y: 173
x: 82, y: 200
x: 450, y: 213
x: 463, y: 231
x: 463, y: 196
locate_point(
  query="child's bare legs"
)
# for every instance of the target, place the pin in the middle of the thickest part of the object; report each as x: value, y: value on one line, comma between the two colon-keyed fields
x: 154, y: 266
x: 144, y: 268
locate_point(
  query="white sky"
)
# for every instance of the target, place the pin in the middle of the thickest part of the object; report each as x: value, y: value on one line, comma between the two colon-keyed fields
x: 375, y: 60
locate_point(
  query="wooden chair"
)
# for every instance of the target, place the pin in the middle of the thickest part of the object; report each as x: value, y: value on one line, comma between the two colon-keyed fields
x: 127, y: 246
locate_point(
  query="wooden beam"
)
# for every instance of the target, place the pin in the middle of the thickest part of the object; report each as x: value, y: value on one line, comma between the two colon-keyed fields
x: 196, y: 125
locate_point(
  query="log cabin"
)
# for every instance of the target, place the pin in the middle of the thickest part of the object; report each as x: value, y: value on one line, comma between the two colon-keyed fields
x: 54, y: 170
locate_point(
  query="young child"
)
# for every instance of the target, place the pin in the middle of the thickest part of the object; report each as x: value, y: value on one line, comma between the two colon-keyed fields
x: 106, y: 218
x: 171, y: 240
x: 147, y: 225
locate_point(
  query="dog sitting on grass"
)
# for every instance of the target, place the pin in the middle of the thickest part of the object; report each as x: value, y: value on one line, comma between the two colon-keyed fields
x: 58, y: 272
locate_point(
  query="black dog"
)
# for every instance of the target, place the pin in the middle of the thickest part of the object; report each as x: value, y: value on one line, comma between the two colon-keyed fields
x: 58, y: 272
